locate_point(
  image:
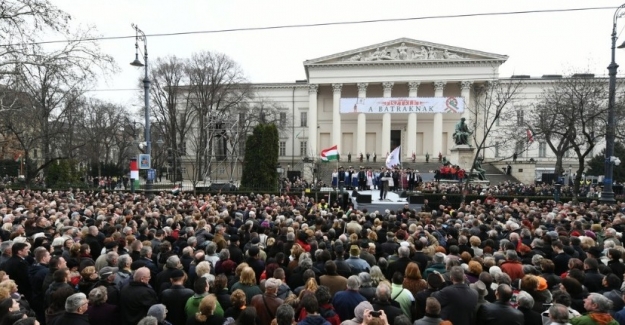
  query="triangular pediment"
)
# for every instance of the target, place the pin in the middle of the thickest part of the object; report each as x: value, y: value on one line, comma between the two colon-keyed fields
x: 406, y: 50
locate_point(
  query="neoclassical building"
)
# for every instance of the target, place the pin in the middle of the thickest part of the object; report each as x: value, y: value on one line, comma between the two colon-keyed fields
x: 401, y: 92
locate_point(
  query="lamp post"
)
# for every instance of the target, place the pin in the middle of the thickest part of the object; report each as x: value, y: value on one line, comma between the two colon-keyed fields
x: 140, y: 35
x: 607, y: 195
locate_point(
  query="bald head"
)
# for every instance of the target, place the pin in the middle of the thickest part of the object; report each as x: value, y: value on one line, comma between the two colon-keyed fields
x: 142, y: 274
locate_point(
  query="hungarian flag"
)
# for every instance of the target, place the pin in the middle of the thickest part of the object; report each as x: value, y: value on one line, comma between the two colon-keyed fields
x: 18, y: 158
x: 530, y: 136
x: 330, y: 154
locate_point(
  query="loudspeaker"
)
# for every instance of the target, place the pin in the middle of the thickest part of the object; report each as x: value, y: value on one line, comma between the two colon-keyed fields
x: 355, y: 193
x: 403, y: 194
x: 416, y: 199
x: 364, y: 198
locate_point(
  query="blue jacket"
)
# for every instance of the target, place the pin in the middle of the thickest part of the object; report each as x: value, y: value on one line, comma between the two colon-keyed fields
x: 344, y: 303
x: 313, y: 320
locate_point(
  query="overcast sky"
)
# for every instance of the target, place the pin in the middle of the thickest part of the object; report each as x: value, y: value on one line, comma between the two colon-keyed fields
x: 537, y: 44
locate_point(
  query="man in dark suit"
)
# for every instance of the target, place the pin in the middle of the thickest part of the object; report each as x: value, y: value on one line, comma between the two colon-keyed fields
x: 410, y: 176
x: 362, y: 179
x: 384, y: 183
x: 500, y: 312
x: 16, y: 268
x: 341, y: 177
x: 458, y: 301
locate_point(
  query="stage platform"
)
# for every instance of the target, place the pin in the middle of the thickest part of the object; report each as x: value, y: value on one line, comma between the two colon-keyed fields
x: 393, y: 202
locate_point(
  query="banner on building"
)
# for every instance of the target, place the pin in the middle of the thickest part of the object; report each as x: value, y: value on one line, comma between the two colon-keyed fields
x: 402, y: 105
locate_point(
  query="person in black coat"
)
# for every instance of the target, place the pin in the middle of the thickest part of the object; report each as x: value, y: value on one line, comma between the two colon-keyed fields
x: 458, y: 301
x: 499, y: 312
x: 16, y: 268
x: 37, y: 273
x: 399, y: 265
x: 236, y: 254
x: 76, y: 307
x: 137, y: 297
x: 593, y: 280
x: 175, y: 298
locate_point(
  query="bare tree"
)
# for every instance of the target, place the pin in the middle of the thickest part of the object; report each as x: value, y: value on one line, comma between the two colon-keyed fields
x: 49, y: 85
x: 577, y: 109
x: 103, y: 127
x: 217, y: 87
x: 21, y: 24
x: 170, y: 100
x: 493, y: 118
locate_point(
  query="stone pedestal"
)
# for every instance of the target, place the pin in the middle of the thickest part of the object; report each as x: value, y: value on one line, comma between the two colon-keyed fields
x: 462, y: 155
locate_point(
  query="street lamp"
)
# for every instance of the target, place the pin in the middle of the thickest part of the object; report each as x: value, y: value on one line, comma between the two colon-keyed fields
x: 140, y: 35
x: 607, y: 195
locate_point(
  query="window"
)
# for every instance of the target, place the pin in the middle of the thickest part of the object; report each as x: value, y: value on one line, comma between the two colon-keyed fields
x: 282, y: 151
x: 519, y: 118
x: 303, y: 148
x: 182, y: 150
x: 542, y: 149
x: 496, y: 149
x: 303, y: 117
x: 241, y: 120
x: 567, y: 154
x: 220, y: 147
x: 520, y: 147
x: 183, y: 170
x: 35, y: 155
x: 282, y: 118
x: 221, y: 170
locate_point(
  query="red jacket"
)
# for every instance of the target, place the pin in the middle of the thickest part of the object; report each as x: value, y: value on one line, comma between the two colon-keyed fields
x: 514, y: 269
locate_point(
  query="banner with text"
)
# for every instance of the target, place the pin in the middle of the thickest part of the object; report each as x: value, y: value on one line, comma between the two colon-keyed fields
x: 402, y: 105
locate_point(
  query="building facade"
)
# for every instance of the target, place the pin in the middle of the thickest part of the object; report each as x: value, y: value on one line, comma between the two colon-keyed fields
x: 401, y: 92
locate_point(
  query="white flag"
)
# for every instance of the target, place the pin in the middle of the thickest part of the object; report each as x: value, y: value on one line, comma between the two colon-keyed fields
x: 393, y: 159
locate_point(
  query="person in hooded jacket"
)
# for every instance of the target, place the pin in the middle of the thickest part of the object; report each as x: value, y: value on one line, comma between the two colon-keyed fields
x: 326, y: 310
x: 311, y: 306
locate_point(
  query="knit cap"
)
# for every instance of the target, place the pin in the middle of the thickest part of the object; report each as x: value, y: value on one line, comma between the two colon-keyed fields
x: 158, y: 311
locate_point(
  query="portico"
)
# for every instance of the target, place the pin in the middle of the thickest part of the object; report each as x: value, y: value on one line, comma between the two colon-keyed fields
x: 405, y: 92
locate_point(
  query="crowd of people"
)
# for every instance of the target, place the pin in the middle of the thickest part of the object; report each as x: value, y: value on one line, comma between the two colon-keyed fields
x: 74, y: 257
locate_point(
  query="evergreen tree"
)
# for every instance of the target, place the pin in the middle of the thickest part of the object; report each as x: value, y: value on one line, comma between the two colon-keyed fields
x: 596, y: 165
x: 261, y: 159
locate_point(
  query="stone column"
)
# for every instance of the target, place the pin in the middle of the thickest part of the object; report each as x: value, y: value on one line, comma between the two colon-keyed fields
x: 465, y: 87
x: 312, y: 121
x: 437, y: 136
x: 411, y: 128
x: 361, y: 140
x: 386, y: 121
x: 336, y: 117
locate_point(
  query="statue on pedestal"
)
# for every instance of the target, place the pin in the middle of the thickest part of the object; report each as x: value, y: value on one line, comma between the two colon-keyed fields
x: 462, y: 133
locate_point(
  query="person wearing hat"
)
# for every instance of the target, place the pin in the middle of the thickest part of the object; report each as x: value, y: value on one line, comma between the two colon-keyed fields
x: 160, y: 311
x: 254, y: 261
x: 175, y: 298
x: 107, y: 279
x: 435, y: 282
